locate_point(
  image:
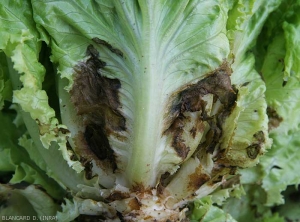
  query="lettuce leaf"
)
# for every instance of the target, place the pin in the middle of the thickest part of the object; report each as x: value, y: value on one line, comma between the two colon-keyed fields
x: 204, y: 211
x: 277, y: 170
x: 28, y: 203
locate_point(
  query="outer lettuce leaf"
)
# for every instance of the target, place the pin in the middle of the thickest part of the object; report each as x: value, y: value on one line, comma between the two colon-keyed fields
x: 248, y: 118
x: 290, y: 210
x: 29, y: 203
x: 291, y: 32
x: 250, y: 207
x: 278, y: 166
x: 81, y: 208
x: 290, y: 20
x: 5, y: 83
x: 275, y: 164
x: 204, y: 210
x: 285, y: 20
x: 56, y: 166
x: 245, y: 21
x: 22, y: 45
x: 275, y: 57
x: 14, y: 159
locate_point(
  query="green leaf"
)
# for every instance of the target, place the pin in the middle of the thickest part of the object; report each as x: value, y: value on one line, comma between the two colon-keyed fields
x: 245, y: 21
x: 22, y: 45
x: 278, y: 166
x: 5, y: 83
x: 15, y: 159
x: 203, y: 210
x: 290, y: 210
x: 25, y: 204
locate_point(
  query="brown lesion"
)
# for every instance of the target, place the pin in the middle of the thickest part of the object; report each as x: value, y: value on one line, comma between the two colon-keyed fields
x: 218, y: 83
x: 260, y: 136
x: 212, y: 136
x: 197, y: 179
x: 98, y: 142
x: 178, y: 143
x: 231, y: 181
x: 96, y: 100
x: 88, y: 167
x: 193, y: 132
x: 134, y: 204
x: 274, y: 118
x: 46, y: 128
x: 163, y: 182
x: 109, y: 46
x: 3, y: 201
x: 117, y: 195
x: 191, y: 99
x: 253, y: 150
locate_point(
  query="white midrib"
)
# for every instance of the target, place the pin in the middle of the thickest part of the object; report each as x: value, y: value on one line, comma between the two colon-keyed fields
x: 148, y: 113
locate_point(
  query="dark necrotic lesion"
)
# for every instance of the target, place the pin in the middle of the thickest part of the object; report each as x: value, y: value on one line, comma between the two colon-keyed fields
x: 109, y: 46
x: 96, y: 100
x: 217, y: 83
x: 274, y: 118
x: 3, y: 201
x: 253, y: 150
x: 97, y: 141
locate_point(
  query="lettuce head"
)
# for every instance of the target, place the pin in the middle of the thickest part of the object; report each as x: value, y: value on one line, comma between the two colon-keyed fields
x: 149, y: 110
